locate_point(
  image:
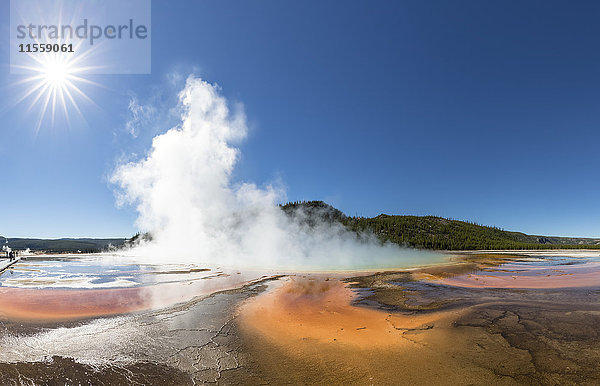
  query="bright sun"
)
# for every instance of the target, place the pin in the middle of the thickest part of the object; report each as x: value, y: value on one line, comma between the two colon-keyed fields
x: 56, y: 74
x: 53, y: 83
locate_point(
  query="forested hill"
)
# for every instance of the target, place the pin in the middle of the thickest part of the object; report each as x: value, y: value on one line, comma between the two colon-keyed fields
x: 439, y: 233
x: 61, y: 245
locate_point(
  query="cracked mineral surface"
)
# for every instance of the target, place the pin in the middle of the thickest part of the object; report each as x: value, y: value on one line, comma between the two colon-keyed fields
x: 189, y: 343
x: 405, y: 327
x: 409, y: 328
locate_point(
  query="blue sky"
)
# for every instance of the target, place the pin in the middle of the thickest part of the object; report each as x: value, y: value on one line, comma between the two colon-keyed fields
x: 480, y: 111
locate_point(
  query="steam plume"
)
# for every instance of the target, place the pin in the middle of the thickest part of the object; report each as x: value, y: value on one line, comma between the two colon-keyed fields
x: 184, y: 194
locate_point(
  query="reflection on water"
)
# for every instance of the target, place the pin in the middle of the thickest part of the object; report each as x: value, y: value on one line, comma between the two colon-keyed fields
x: 538, y: 271
x: 62, y: 287
x: 305, y: 328
x: 96, y: 272
x: 75, y: 287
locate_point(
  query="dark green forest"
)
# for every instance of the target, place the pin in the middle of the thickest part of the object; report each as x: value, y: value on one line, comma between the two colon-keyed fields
x: 85, y: 245
x: 431, y: 232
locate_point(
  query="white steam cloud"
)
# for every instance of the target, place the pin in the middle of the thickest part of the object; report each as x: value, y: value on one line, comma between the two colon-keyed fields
x: 139, y: 115
x: 184, y: 194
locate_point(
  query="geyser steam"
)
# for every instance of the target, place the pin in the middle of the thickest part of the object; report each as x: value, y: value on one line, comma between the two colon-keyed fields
x: 185, y: 197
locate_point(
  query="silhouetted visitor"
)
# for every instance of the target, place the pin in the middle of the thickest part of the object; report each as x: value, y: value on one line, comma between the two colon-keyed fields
x: 11, y: 255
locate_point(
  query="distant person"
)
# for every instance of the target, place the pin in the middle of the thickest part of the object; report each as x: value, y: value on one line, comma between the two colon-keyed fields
x: 11, y: 255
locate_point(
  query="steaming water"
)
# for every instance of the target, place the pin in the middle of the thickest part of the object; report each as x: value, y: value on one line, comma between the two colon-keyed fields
x: 200, y: 218
x: 184, y: 193
x: 109, y: 271
x: 54, y: 288
x: 97, y: 272
x: 101, y: 286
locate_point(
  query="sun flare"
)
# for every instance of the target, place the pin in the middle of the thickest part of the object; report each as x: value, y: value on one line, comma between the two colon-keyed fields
x: 56, y: 74
x: 53, y: 86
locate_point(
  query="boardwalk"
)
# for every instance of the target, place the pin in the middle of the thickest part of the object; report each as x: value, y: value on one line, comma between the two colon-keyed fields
x: 5, y: 263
